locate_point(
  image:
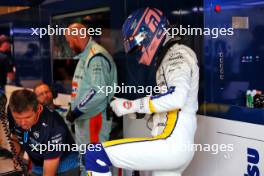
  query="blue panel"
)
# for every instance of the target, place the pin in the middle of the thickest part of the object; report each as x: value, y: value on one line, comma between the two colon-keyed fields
x: 31, y: 55
x: 234, y: 64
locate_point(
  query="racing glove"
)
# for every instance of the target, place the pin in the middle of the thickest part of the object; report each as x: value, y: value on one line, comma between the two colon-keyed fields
x: 123, y: 106
x: 73, y: 115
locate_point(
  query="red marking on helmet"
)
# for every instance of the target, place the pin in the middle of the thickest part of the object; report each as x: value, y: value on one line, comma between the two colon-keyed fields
x: 160, y: 12
x: 152, y: 19
x: 148, y: 55
x: 140, y: 21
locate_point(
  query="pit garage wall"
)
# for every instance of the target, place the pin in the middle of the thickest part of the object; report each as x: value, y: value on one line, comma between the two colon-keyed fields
x: 213, y: 130
x: 231, y: 66
x: 220, y: 131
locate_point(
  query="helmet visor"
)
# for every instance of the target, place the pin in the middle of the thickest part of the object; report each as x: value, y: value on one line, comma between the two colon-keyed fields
x: 134, y: 43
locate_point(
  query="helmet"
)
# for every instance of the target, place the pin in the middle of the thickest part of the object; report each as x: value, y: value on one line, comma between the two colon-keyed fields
x: 143, y: 33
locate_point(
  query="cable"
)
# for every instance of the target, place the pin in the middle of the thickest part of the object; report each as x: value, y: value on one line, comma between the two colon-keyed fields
x: 15, y: 156
x: 4, y: 121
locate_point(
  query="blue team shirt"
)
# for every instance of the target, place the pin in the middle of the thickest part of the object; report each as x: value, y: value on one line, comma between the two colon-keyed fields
x: 51, y: 129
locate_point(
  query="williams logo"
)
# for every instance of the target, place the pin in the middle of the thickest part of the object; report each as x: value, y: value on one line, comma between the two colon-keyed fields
x: 253, y: 160
x: 36, y: 134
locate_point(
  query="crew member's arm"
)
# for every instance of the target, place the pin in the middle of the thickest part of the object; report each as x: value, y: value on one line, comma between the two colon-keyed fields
x: 178, y: 80
x: 50, y: 166
x: 94, y: 95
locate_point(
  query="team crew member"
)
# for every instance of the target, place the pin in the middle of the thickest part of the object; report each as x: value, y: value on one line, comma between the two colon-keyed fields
x: 36, y: 125
x: 95, y: 70
x: 174, y: 111
x: 45, y: 97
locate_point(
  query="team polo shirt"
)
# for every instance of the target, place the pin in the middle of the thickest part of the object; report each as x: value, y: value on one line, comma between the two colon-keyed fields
x: 50, y: 129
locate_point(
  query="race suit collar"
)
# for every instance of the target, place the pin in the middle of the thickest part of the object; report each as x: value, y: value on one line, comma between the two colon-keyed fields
x: 168, y: 42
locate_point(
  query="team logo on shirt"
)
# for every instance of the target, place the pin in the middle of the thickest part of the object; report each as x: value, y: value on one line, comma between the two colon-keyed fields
x: 74, y: 89
x: 57, y: 139
x: 36, y: 134
x: 44, y: 124
x: 127, y: 104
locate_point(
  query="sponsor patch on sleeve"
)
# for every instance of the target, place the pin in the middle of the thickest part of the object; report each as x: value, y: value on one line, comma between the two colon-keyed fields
x: 87, y: 98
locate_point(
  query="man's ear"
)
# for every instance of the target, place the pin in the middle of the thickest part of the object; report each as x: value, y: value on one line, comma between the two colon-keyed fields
x: 40, y: 108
